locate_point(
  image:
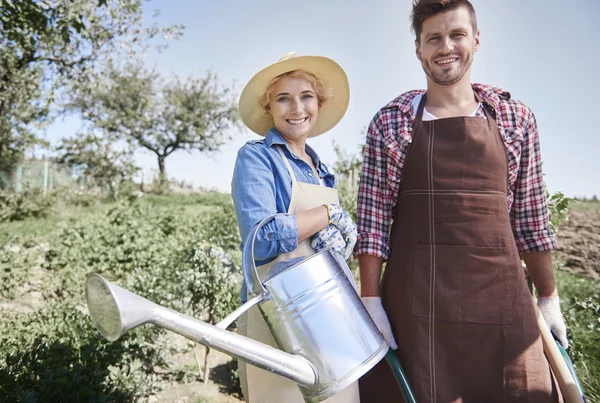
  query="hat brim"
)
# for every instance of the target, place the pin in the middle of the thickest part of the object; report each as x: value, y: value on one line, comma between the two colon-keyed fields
x: 325, y: 69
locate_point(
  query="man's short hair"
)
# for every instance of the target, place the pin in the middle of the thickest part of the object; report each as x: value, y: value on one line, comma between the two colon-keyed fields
x: 423, y: 9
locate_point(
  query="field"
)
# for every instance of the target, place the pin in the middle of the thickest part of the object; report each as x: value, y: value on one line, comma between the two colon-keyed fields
x: 165, y: 248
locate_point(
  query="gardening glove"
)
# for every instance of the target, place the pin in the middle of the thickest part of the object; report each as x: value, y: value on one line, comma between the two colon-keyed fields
x: 331, y: 237
x: 550, y: 310
x: 342, y: 220
x: 375, y: 309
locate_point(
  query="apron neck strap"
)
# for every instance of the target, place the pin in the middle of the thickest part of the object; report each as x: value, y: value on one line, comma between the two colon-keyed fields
x: 287, y: 163
x: 485, y: 110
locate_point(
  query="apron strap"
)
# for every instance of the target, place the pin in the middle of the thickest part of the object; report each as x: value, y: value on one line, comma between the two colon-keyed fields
x: 287, y: 164
x: 485, y: 110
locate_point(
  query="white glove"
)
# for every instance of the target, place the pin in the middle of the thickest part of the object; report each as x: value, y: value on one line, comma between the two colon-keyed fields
x: 550, y: 310
x: 375, y: 309
x: 342, y: 221
x: 331, y: 237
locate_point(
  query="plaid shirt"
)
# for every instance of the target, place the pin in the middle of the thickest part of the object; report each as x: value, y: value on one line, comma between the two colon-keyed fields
x: 388, y: 138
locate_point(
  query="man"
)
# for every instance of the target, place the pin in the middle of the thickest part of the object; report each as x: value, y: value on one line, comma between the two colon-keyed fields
x: 458, y: 170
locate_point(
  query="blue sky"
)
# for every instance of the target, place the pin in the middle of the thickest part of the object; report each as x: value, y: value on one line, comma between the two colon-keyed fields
x: 545, y: 52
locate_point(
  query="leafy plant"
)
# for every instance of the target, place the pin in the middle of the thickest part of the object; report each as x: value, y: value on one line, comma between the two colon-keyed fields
x: 558, y: 209
x: 29, y: 203
x: 213, y: 284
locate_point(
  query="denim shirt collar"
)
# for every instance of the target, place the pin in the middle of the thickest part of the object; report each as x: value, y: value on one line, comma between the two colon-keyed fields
x: 273, y: 138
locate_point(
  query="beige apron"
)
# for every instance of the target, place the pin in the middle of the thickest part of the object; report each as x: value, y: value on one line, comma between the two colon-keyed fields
x: 258, y: 385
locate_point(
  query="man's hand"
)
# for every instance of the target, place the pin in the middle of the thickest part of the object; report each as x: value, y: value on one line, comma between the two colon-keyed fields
x: 375, y: 309
x: 550, y: 310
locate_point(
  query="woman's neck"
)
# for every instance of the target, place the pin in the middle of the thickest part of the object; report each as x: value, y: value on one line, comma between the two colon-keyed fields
x: 298, y: 146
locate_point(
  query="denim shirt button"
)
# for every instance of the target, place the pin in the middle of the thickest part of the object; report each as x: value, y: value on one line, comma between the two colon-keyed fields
x: 309, y: 174
x: 270, y: 236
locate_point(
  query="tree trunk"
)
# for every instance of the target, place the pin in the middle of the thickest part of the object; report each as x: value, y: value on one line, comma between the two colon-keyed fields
x: 205, y: 380
x: 210, y: 321
x: 162, y: 177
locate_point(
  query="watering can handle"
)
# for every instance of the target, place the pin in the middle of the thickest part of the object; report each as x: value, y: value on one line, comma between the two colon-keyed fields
x: 254, y: 284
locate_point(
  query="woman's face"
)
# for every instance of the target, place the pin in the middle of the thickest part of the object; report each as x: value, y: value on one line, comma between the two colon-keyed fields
x: 294, y: 106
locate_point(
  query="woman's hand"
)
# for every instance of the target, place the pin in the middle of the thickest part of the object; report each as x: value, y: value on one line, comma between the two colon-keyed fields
x: 340, y: 234
x: 331, y: 237
x: 342, y: 221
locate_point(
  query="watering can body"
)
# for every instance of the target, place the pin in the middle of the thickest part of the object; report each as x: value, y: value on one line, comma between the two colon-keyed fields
x: 313, y: 310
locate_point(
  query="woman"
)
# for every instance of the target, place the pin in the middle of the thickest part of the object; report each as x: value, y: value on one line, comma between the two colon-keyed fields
x: 287, y: 102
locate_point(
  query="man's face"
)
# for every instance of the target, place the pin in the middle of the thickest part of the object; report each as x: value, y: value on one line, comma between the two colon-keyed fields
x: 447, y: 45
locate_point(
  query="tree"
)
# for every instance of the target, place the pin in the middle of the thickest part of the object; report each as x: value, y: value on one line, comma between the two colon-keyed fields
x: 160, y: 116
x: 48, y: 47
x: 347, y: 170
x: 108, y: 165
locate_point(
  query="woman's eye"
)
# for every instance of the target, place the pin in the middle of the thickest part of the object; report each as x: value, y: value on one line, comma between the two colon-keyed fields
x: 282, y: 99
x: 307, y: 96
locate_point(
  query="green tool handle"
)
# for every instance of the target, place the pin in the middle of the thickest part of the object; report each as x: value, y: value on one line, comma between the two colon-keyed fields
x: 407, y: 392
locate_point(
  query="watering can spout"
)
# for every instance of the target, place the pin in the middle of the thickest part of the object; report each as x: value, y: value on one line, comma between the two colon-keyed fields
x: 115, y: 311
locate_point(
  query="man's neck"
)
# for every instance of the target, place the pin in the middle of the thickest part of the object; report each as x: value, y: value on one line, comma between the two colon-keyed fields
x: 449, y: 101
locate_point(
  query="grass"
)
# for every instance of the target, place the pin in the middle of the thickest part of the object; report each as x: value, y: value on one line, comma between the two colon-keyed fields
x: 32, y: 228
x: 588, y: 205
x: 584, y: 328
x: 43, y: 227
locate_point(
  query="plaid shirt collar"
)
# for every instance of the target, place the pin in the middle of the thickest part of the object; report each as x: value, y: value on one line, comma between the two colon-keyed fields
x: 492, y: 96
x: 496, y: 98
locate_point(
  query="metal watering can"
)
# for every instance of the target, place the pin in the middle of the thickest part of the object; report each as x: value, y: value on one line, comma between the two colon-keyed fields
x: 310, y: 305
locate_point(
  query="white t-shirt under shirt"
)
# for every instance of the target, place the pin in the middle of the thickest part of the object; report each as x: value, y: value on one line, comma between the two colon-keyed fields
x: 428, y: 116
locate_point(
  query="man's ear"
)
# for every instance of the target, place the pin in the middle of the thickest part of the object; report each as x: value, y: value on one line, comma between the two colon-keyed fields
x: 417, y: 49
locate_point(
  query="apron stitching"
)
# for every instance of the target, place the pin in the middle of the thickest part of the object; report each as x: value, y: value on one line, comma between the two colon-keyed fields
x: 432, y: 267
x: 494, y: 193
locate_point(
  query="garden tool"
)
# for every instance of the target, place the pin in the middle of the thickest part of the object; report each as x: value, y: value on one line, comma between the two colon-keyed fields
x: 559, y: 360
x: 313, y: 311
x: 561, y: 364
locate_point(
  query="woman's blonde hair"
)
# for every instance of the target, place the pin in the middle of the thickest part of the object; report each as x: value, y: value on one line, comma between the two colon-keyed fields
x: 323, y: 93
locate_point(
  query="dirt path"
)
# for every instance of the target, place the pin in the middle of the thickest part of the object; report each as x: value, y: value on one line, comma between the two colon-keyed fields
x: 218, y: 389
x: 579, y: 242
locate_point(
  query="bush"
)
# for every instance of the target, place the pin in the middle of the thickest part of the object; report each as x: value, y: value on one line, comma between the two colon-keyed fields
x: 156, y: 252
x: 29, y: 203
x: 57, y: 356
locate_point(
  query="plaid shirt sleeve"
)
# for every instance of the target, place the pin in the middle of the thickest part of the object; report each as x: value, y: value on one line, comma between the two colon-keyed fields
x: 374, y: 205
x: 529, y: 214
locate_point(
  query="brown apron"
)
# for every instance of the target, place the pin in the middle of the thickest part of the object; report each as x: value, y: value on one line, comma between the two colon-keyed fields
x: 454, y: 288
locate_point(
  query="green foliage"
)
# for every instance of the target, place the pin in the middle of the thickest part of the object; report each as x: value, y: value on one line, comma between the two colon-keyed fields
x: 56, y: 355
x: 221, y: 228
x: 161, y: 116
x: 109, y: 166
x: 47, y: 48
x: 146, y: 246
x: 580, y: 300
x: 558, y: 209
x: 213, y: 282
x: 347, y: 169
x: 83, y: 198
x: 29, y: 203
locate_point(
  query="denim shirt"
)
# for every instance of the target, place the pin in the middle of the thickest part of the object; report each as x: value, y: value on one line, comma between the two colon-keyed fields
x: 262, y: 186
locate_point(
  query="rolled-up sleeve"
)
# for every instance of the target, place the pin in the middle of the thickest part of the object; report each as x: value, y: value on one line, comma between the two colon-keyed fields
x: 374, y: 204
x: 253, y: 194
x: 529, y: 214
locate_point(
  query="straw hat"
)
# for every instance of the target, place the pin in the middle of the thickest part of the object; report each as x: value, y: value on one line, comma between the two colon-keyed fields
x: 325, y: 69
